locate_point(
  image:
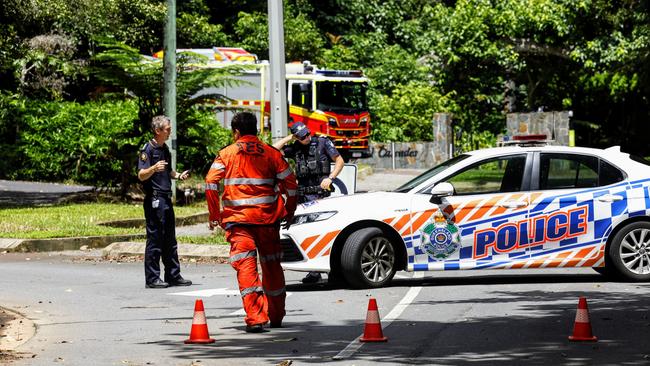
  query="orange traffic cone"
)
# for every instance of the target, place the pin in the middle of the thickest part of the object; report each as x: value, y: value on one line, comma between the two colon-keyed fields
x: 372, y: 331
x: 199, y: 332
x: 582, y: 326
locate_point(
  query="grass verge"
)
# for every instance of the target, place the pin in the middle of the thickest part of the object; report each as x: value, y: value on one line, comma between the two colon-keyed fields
x: 76, y: 219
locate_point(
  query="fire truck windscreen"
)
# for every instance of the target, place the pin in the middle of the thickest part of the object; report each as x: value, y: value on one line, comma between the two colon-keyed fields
x: 341, y: 96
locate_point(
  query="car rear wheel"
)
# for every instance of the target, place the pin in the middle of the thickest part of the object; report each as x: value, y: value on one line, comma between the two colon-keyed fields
x: 630, y: 252
x: 368, y: 259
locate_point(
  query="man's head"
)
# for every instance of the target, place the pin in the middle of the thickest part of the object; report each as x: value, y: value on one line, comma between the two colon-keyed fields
x: 245, y: 123
x: 301, y: 132
x: 161, y: 127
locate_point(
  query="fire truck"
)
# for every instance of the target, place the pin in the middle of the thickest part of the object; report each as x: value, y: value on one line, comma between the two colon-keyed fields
x: 331, y: 103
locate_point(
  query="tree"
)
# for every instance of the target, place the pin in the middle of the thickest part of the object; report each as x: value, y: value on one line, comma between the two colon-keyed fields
x: 140, y: 77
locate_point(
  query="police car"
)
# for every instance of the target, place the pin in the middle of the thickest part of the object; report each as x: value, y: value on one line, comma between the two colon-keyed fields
x: 499, y: 208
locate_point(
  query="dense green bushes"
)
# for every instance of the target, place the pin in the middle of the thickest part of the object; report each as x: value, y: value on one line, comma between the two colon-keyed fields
x: 68, y: 141
x: 92, y: 143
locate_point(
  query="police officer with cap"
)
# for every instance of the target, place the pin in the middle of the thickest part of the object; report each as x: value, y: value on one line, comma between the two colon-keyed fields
x: 156, y: 174
x: 312, y: 155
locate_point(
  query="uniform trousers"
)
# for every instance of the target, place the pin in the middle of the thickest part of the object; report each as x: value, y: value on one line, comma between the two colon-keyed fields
x: 263, y: 300
x: 161, y: 240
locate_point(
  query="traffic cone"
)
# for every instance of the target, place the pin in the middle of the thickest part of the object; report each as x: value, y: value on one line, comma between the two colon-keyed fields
x: 372, y: 331
x: 582, y: 326
x: 199, y: 332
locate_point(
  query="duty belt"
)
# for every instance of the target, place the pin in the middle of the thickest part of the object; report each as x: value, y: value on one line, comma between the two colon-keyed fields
x: 162, y: 194
x: 317, y: 190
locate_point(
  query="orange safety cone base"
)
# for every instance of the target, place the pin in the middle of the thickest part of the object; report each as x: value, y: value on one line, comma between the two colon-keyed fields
x: 368, y: 339
x: 199, y: 341
x: 583, y: 339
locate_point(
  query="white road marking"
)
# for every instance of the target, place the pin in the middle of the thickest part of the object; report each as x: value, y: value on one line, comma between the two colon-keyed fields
x: 412, y: 293
x: 207, y: 293
x: 214, y: 292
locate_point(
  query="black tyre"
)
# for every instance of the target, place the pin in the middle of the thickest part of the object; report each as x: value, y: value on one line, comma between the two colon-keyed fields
x: 605, y: 271
x: 630, y: 252
x: 368, y: 259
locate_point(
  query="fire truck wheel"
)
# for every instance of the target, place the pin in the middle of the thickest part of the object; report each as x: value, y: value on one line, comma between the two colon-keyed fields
x: 630, y: 252
x: 368, y: 258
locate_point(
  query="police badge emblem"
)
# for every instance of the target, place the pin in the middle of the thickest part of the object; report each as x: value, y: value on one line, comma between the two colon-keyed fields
x: 143, y: 156
x: 440, y: 238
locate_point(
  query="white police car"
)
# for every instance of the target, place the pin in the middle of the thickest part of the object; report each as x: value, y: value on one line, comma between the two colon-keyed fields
x: 506, y: 207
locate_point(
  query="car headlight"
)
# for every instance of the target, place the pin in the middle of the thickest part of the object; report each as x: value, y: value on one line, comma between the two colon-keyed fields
x: 312, y: 217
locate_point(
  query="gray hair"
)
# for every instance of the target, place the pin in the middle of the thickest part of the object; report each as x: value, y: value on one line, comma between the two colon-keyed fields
x: 159, y: 122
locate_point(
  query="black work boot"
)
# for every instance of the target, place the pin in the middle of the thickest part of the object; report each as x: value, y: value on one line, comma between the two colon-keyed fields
x: 255, y: 328
x: 312, y: 277
x: 158, y: 283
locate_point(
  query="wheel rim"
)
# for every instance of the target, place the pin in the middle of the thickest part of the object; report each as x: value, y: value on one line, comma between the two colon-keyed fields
x: 377, y: 259
x: 635, y: 251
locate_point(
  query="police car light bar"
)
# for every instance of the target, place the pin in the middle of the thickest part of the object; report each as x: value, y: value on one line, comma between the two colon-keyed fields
x: 539, y: 137
x: 340, y: 72
x: 526, y: 140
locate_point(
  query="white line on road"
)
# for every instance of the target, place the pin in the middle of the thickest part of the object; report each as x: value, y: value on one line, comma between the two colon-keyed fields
x: 214, y: 292
x: 412, y: 293
x: 207, y: 292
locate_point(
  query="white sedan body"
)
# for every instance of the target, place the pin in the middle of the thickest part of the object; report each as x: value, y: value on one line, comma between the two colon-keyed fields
x: 511, y: 207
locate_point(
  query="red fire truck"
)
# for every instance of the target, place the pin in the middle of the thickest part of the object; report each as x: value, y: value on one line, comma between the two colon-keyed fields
x: 331, y: 103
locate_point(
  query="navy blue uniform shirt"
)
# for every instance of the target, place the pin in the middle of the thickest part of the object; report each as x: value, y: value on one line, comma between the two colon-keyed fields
x: 150, y: 154
x: 327, y: 151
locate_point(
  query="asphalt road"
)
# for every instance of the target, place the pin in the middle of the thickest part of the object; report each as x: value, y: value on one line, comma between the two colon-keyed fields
x: 94, y: 312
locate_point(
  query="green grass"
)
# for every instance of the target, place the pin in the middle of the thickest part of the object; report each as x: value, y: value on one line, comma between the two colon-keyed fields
x: 76, y: 219
x: 214, y: 239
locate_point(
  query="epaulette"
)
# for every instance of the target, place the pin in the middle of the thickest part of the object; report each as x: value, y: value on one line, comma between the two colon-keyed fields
x: 144, y: 147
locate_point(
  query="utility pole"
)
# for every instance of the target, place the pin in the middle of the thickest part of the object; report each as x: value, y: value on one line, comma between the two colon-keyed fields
x: 169, y: 75
x: 278, y: 72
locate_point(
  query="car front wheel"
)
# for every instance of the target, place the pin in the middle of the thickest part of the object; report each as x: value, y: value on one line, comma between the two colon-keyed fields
x: 630, y: 252
x: 368, y: 259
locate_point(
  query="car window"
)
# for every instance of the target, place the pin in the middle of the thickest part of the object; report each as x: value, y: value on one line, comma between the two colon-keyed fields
x: 430, y: 173
x: 502, y: 174
x: 609, y: 174
x: 563, y: 171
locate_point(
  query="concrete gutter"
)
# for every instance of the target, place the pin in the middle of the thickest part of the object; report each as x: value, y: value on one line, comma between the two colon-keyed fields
x: 60, y: 244
x: 120, y: 249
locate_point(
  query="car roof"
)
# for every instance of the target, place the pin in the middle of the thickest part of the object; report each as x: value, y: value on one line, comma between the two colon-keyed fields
x: 613, y: 151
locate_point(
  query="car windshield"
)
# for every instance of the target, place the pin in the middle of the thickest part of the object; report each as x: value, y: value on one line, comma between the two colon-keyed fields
x: 341, y: 97
x: 430, y: 173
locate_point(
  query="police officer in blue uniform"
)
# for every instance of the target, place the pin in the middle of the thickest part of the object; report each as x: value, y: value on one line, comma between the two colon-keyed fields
x: 312, y: 155
x: 155, y: 173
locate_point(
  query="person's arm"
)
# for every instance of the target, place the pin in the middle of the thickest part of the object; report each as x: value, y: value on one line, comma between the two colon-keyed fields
x: 146, y: 173
x: 215, y: 174
x: 180, y: 176
x: 283, y: 141
x: 288, y: 185
x: 339, y: 163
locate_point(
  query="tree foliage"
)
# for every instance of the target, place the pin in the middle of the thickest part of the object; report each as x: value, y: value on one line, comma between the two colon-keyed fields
x: 479, y: 59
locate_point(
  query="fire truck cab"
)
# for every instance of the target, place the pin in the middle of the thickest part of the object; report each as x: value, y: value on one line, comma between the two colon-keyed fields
x: 332, y: 103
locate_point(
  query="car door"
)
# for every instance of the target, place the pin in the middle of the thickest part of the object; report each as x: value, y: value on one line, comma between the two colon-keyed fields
x: 572, y: 211
x: 488, y: 195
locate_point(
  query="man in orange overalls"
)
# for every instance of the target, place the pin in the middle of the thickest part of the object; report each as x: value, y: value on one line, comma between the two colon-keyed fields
x: 255, y: 178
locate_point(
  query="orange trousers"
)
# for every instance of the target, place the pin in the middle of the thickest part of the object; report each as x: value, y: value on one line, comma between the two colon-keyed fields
x: 263, y: 300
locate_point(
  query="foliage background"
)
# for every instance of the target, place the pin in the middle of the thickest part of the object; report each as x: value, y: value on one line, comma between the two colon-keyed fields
x: 477, y: 59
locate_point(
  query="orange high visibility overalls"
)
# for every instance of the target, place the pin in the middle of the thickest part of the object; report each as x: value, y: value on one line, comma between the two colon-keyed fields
x: 255, y: 176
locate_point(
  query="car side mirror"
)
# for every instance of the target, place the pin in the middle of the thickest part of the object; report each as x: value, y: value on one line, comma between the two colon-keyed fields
x: 440, y: 191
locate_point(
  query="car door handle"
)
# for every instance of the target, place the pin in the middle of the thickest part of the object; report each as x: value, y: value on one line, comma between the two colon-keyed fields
x: 610, y: 198
x: 514, y: 204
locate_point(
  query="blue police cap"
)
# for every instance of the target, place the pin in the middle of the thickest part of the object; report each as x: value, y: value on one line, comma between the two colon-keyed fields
x: 299, y: 130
